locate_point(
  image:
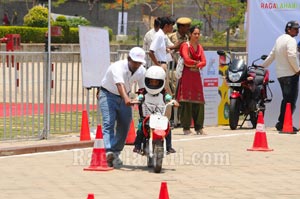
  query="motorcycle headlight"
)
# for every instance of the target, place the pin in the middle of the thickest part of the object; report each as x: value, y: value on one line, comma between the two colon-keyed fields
x: 234, y: 77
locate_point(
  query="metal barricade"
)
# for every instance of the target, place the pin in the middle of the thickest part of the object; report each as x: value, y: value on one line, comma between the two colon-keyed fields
x: 22, y: 94
x: 22, y: 83
x: 23, y: 105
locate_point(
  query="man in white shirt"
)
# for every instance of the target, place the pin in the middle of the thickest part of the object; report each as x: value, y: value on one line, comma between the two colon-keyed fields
x: 284, y: 53
x: 115, y: 103
x: 148, y: 40
x: 150, y: 35
x: 159, y: 51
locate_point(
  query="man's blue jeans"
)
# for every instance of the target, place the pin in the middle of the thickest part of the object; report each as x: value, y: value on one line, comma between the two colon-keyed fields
x: 116, y: 118
x: 289, y: 87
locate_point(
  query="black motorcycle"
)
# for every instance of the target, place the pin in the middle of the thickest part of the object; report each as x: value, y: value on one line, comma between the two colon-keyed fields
x: 249, y: 85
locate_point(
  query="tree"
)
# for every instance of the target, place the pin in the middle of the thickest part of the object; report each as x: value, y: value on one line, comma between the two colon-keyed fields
x: 152, y: 5
x: 37, y: 17
x: 214, y: 10
x: 152, y: 9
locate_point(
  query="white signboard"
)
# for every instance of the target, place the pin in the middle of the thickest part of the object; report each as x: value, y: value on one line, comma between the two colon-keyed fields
x: 95, y: 55
x: 122, y: 25
x: 266, y: 21
x: 210, y: 78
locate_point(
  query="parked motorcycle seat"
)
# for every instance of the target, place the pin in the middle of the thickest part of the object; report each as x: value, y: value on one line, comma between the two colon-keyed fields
x: 259, y: 75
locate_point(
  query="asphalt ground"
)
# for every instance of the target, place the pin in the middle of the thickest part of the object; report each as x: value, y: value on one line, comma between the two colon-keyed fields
x: 217, y: 165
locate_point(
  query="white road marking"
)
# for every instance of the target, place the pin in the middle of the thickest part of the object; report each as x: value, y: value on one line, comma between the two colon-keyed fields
x: 174, y: 140
x: 212, y: 136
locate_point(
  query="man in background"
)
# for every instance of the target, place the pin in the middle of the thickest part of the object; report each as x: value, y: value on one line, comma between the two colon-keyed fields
x: 160, y: 48
x: 177, y: 38
x: 148, y: 40
x: 150, y: 35
x: 284, y: 53
x: 181, y: 34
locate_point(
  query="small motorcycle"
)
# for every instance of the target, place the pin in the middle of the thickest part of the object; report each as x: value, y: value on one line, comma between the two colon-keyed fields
x: 249, y: 86
x: 156, y: 127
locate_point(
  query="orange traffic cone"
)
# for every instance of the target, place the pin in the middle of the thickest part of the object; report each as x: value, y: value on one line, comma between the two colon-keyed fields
x: 163, y: 194
x: 288, y: 121
x: 90, y: 196
x: 131, y: 134
x: 98, y: 160
x: 85, y: 129
x: 260, y: 140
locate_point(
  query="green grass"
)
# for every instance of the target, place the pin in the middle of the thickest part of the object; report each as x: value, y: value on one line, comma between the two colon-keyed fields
x: 29, y: 127
x: 32, y: 126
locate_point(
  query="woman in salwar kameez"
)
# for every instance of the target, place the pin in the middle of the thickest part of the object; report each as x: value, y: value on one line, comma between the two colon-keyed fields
x: 190, y: 90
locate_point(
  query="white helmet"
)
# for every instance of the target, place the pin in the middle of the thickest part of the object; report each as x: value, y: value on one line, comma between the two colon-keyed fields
x: 157, y: 73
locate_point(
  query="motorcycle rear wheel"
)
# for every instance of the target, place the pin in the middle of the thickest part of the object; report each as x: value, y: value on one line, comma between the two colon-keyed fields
x: 234, y: 113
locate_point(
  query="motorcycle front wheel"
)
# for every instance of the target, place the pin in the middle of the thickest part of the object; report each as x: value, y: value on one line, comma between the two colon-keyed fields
x: 149, y: 159
x: 234, y: 112
x: 158, y: 155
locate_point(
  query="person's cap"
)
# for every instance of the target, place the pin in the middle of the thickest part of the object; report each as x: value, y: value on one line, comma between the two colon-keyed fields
x: 184, y: 20
x: 137, y: 54
x: 292, y: 24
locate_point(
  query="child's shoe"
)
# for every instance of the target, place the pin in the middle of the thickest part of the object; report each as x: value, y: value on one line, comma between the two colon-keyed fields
x: 171, y: 150
x: 136, y: 150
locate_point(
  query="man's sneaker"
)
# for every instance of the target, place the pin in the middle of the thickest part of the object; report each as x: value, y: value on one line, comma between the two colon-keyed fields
x: 295, y: 129
x: 278, y: 126
x: 117, y: 162
x: 110, y: 158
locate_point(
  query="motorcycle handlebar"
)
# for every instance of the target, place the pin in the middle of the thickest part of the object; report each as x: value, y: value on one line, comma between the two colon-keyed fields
x: 256, y: 66
x: 228, y: 53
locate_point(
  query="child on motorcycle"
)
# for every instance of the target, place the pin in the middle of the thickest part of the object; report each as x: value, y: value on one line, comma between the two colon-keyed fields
x: 152, y: 98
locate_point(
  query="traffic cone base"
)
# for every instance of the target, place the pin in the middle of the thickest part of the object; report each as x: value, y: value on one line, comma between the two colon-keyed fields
x: 287, y: 132
x: 98, y: 163
x: 98, y: 168
x: 288, y: 121
x: 260, y: 149
x: 98, y: 159
x: 131, y: 134
x: 260, y: 142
